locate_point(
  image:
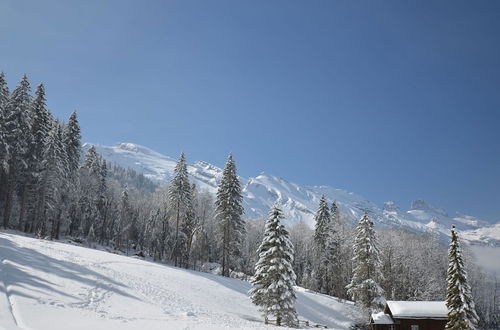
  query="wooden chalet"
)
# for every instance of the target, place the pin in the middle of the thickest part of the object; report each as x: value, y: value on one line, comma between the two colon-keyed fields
x: 411, y: 315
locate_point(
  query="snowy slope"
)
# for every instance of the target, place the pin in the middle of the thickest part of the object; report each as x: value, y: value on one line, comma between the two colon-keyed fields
x: 299, y: 202
x: 50, y: 285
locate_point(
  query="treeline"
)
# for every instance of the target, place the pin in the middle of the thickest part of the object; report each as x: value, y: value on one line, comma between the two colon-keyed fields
x: 48, y: 189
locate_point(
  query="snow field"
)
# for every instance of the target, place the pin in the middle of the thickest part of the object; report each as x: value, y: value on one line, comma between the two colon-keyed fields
x: 51, y: 285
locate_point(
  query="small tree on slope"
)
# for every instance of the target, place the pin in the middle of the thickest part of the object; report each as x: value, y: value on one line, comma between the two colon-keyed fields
x: 274, y: 276
x: 461, y: 311
x: 364, y: 288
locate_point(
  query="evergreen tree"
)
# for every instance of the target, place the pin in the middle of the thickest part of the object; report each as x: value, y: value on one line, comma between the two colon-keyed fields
x: 274, y: 276
x: 461, y: 310
x: 90, y: 183
x: 4, y: 149
x: 53, y: 174
x: 125, y: 215
x: 17, y: 137
x: 101, y: 200
x: 179, y: 195
x: 333, y: 251
x: 364, y: 288
x: 41, y: 123
x: 188, y: 226
x: 321, y: 240
x: 229, y: 212
x: 72, y: 144
x: 4, y: 99
x: 63, y: 183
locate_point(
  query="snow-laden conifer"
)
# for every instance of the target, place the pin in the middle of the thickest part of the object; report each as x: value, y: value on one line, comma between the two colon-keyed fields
x: 461, y: 310
x: 274, y: 275
x: 322, y: 235
x: 17, y: 136
x: 364, y: 288
x: 52, y: 176
x: 4, y: 99
x: 41, y: 124
x: 179, y: 196
x: 229, y: 212
x: 72, y: 144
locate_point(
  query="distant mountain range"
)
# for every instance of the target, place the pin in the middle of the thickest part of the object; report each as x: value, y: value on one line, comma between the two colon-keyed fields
x: 300, y: 202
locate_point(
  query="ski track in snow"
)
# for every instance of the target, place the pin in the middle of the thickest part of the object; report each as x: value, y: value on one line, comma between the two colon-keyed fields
x: 50, y: 285
x: 6, y: 308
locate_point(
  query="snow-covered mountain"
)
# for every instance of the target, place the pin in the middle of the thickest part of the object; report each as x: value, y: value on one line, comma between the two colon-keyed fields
x: 299, y: 201
x: 50, y: 285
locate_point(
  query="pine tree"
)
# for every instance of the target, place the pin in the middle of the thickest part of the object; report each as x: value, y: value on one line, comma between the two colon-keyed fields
x: 179, y: 195
x: 17, y: 137
x: 274, y: 276
x: 229, y: 212
x: 321, y: 240
x: 333, y: 251
x: 102, y: 202
x: 364, y: 288
x: 41, y: 122
x: 461, y: 310
x: 125, y: 213
x: 4, y: 148
x: 188, y: 226
x: 72, y: 144
x: 52, y: 177
x: 63, y: 183
x: 4, y: 99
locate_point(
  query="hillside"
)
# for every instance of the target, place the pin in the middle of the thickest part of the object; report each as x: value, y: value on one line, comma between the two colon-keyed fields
x: 51, y: 285
x: 299, y: 202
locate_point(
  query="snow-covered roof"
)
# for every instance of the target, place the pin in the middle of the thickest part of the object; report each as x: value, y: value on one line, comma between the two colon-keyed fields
x: 418, y: 309
x: 382, y: 318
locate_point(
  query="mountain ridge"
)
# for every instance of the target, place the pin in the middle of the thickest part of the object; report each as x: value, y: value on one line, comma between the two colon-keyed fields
x: 300, y: 201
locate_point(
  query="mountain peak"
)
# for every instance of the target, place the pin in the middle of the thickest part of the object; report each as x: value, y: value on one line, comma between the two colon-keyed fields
x: 421, y: 205
x: 127, y: 146
x: 391, y: 206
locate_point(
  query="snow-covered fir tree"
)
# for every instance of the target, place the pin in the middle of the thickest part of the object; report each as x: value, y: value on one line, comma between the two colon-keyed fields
x: 4, y: 152
x: 321, y: 238
x: 53, y: 174
x: 124, y: 220
x: 229, y: 212
x: 17, y: 137
x: 179, y: 196
x: 188, y: 227
x: 72, y: 144
x: 364, y: 287
x: 274, y: 276
x: 461, y: 310
x: 41, y: 124
x: 337, y: 258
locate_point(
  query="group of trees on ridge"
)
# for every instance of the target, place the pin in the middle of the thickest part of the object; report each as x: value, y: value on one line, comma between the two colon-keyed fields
x: 49, y: 189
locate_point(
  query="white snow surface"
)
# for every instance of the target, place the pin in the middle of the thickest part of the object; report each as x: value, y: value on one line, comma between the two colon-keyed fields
x: 418, y: 309
x: 299, y: 202
x: 53, y: 285
x: 382, y: 318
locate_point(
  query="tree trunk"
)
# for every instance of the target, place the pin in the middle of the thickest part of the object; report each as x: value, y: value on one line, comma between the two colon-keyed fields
x: 22, y: 206
x: 8, y: 203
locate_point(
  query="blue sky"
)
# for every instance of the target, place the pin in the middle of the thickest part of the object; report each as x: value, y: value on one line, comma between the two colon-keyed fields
x: 393, y: 100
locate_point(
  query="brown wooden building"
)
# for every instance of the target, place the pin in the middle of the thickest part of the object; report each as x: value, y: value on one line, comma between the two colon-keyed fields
x: 411, y: 315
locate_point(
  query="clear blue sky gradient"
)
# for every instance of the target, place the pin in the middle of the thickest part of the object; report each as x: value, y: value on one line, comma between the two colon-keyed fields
x: 393, y: 100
